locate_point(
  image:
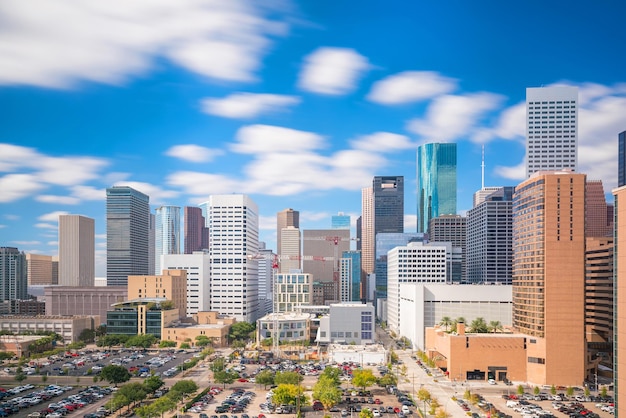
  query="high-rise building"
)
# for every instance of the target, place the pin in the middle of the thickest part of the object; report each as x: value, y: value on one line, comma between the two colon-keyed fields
x: 551, y: 129
x: 292, y: 289
x: 619, y: 307
x: 266, y: 279
x: 413, y: 263
x: 385, y: 242
x: 350, y: 276
x: 621, y: 159
x: 77, y: 250
x: 152, y: 245
x: 367, y: 240
x: 549, y: 275
x: 388, y: 195
x: 196, y: 232
x: 452, y: 229
x: 285, y: 218
x: 599, y: 299
x: 197, y: 266
x: 340, y: 221
x: 40, y: 270
x: 436, y: 182
x: 13, y: 274
x: 290, y: 249
x: 490, y: 239
x: 328, y: 243
x: 481, y: 195
x: 167, y: 234
x: 596, y: 223
x: 128, y: 225
x: 234, y: 224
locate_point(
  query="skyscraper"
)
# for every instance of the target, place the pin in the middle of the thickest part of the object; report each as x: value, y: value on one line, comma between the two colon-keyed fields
x: 40, y: 270
x: 340, y: 221
x: 549, y: 275
x: 490, y: 239
x: 198, y: 270
x: 551, y: 129
x: 621, y: 159
x: 196, y: 232
x: 265, y: 279
x: 290, y: 249
x: 350, y: 276
x: 619, y: 307
x: 234, y: 224
x: 388, y: 195
x: 285, y: 218
x: 13, y: 274
x: 385, y: 242
x: 324, y: 243
x: 368, y: 237
x: 596, y: 223
x: 77, y: 250
x: 167, y: 234
x: 436, y: 182
x: 128, y: 224
x: 452, y: 229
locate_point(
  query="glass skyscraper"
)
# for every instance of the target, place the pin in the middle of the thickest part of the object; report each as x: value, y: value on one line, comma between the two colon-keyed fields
x: 13, y: 274
x: 436, y: 182
x: 340, y: 221
x: 128, y: 225
x: 167, y: 234
x: 386, y: 242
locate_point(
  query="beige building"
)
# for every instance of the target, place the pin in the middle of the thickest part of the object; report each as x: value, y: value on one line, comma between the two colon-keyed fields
x: 290, y: 249
x: 210, y: 324
x: 171, y: 285
x: 40, y: 270
x: 73, y: 300
x: 549, y: 275
x: 620, y: 307
x: 77, y: 256
x: 68, y: 327
x: 284, y: 219
x: 292, y: 290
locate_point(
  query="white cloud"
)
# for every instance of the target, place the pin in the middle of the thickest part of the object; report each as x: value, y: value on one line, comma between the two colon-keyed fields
x: 267, y: 223
x: 17, y: 186
x: 309, y: 216
x: 260, y: 139
x: 26, y: 242
x: 247, y: 105
x: 53, y: 243
x: 13, y: 156
x: 11, y: 217
x: 410, y: 86
x: 410, y: 223
x: 193, y: 153
x: 452, y: 117
x: 2, y: 226
x: 382, y: 142
x: 61, y: 200
x: 52, y: 216
x: 56, y: 43
x: 516, y: 173
x: 203, y: 184
x: 88, y: 193
x: 511, y: 124
x: 333, y: 71
x: 157, y: 194
x: 45, y: 226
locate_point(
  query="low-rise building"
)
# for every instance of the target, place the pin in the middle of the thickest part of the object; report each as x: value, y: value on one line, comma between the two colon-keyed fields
x: 361, y: 354
x: 348, y: 323
x: 80, y: 300
x: 141, y: 316
x: 288, y: 327
x: 67, y: 327
x: 212, y: 325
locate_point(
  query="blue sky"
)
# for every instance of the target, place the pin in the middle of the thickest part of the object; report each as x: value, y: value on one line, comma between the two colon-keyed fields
x: 298, y: 104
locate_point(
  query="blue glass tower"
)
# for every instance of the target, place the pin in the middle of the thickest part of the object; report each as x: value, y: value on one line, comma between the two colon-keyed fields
x: 436, y: 182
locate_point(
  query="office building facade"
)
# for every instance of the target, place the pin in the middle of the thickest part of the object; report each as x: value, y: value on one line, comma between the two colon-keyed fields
x: 384, y: 243
x: 40, y: 270
x: 367, y: 238
x: 166, y: 234
x: 452, y: 229
x: 292, y: 289
x: 551, y: 129
x: 340, y: 221
x: 322, y: 250
x: 197, y: 266
x: 128, y: 225
x: 436, y: 182
x: 77, y: 251
x: 350, y: 276
x: 13, y: 274
x: 596, y: 222
x: 234, y: 224
x: 196, y: 234
x: 619, y: 314
x: 621, y: 159
x: 549, y: 275
x: 290, y: 244
x: 266, y: 261
x: 285, y: 218
x: 490, y: 239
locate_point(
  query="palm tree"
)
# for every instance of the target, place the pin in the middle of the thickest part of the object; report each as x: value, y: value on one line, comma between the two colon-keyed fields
x: 495, y: 326
x: 479, y: 325
x: 446, y: 322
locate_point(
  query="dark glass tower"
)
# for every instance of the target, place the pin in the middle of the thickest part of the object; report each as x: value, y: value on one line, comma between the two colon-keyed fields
x: 621, y: 175
x: 388, y: 197
x: 128, y: 225
x: 436, y: 182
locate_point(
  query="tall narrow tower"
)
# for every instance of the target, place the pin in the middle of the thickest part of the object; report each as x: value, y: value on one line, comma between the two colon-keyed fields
x: 285, y: 218
x: 436, y: 182
x: 77, y: 250
x: 196, y: 233
x: 128, y: 224
x: 551, y: 129
x: 167, y: 234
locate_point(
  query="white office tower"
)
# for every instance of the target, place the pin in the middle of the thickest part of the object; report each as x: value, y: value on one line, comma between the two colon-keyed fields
x: 167, y: 234
x: 551, y: 129
x: 198, y: 267
x: 414, y: 263
x: 290, y: 247
x: 233, y: 222
x: 77, y: 252
x: 266, y: 279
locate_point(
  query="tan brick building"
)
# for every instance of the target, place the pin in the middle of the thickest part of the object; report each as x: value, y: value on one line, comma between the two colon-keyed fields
x: 210, y: 324
x: 171, y: 285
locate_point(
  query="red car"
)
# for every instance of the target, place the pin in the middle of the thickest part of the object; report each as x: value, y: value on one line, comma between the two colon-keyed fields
x: 378, y: 401
x: 317, y: 406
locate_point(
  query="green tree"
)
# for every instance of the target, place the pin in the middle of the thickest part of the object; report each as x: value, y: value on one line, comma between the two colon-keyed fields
x: 363, y: 378
x: 224, y: 377
x: 185, y: 346
x: 164, y: 404
x: 332, y: 373
x: 587, y: 391
x: 167, y: 305
x: 115, y: 374
x: 289, y: 378
x: 288, y: 394
x: 167, y: 344
x: 202, y: 341
x: 366, y: 413
x: 184, y: 387
x: 143, y: 341
x: 520, y: 390
x: 393, y: 357
x: 495, y: 326
x: 101, y: 330
x: 240, y: 331
x: 553, y: 390
x: 147, y: 411
x: 133, y: 392
x: 327, y: 392
x: 265, y: 378
x: 569, y: 391
x: 218, y: 365
x: 536, y: 390
x: 87, y: 335
x: 604, y: 392
x: 446, y: 322
x: 44, y: 378
x: 152, y: 383
x: 388, y: 379
x: 425, y: 397
x: 479, y: 325
x: 20, y: 375
x: 6, y: 355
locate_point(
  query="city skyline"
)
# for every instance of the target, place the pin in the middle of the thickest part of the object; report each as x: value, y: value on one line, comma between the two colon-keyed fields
x: 296, y: 107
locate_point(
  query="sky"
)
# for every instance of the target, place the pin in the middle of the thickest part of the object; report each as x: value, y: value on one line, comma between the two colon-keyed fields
x: 298, y: 104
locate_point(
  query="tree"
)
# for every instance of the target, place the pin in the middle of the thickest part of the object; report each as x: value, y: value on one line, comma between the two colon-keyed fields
x: 164, y: 404
x: 327, y: 392
x: 366, y: 413
x: 388, y: 379
x: 87, y: 335
x: 147, y: 411
x: 363, y: 378
x: 479, y: 325
x: 587, y: 391
x: 495, y: 326
x: 569, y: 391
x: 553, y: 390
x: 288, y: 394
x: 604, y: 392
x: 442, y: 414
x: 152, y: 383
x: 240, y: 331
x: 520, y: 389
x: 144, y: 341
x: 393, y: 357
x: 265, y: 378
x: 332, y: 373
x: 20, y: 375
x: 133, y: 392
x: 167, y: 344
x: 185, y: 346
x: 115, y: 374
x: 536, y: 390
x: 289, y: 378
x: 101, y: 330
x: 6, y: 355
x: 184, y: 387
x: 224, y: 377
x: 218, y: 365
x: 424, y: 396
x: 167, y: 305
x: 446, y: 322
x: 203, y: 341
